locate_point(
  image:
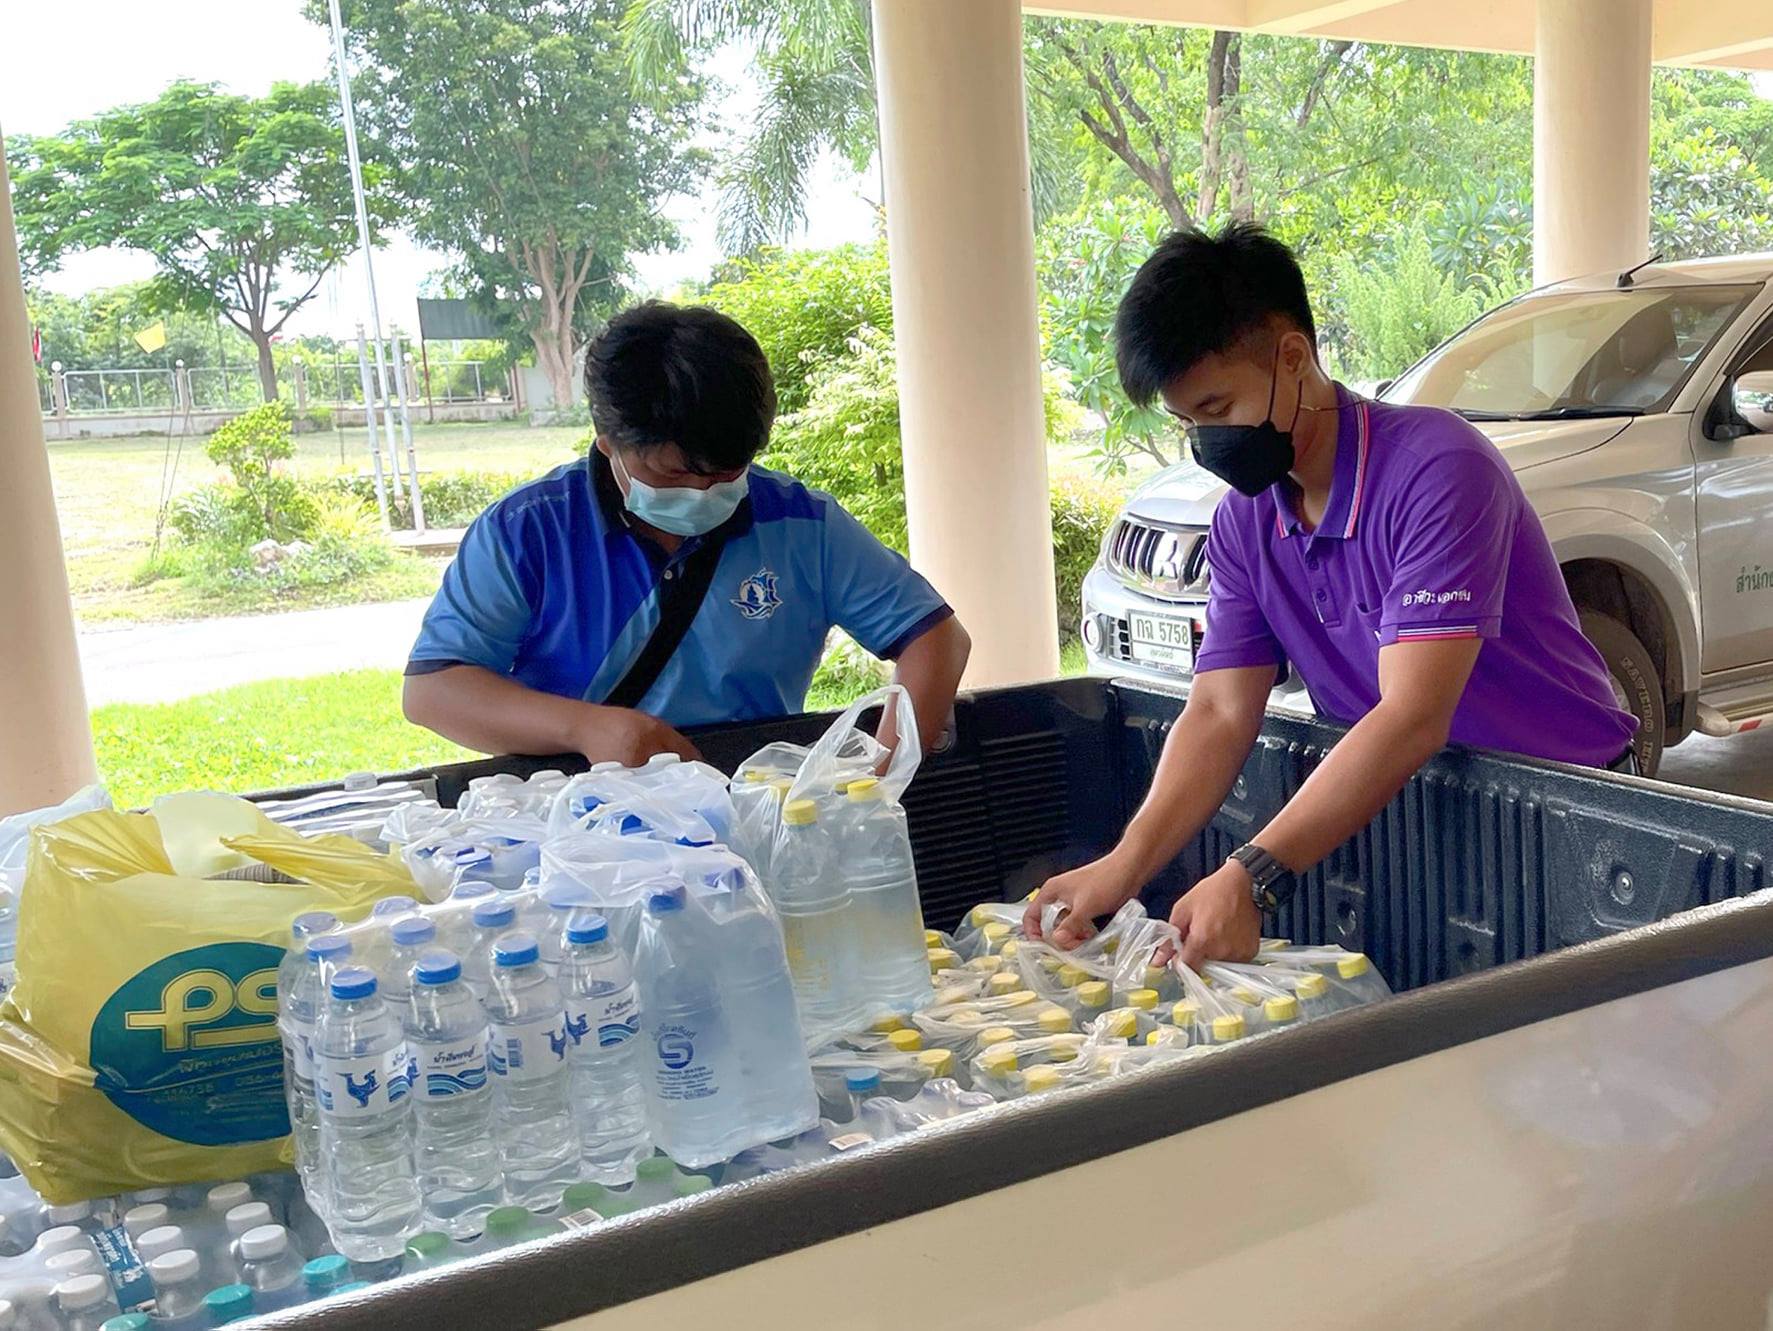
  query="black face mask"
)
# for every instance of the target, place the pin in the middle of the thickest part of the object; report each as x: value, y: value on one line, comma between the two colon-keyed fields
x: 1248, y: 458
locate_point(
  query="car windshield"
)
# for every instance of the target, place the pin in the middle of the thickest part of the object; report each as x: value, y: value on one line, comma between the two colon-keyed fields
x: 1572, y: 354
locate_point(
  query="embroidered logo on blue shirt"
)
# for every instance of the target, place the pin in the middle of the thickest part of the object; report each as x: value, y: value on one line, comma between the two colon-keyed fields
x: 758, y: 597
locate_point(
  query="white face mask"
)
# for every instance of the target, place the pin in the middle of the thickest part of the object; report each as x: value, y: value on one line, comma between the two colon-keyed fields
x: 682, y: 510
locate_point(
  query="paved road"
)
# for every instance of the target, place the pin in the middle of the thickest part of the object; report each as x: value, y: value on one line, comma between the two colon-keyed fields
x: 165, y: 662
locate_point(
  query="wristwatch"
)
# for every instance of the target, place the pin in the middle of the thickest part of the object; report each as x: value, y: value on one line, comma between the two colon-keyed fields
x: 1271, y: 883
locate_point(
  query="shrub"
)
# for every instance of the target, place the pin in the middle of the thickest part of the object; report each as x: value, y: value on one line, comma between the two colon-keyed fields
x: 1081, y: 518
x: 1398, y: 308
x: 319, y: 419
x: 845, y: 673
x: 452, y: 499
x: 252, y: 446
x: 804, y: 306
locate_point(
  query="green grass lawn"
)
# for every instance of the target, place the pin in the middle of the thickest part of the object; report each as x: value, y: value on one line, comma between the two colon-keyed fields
x: 286, y: 732
x: 107, y: 494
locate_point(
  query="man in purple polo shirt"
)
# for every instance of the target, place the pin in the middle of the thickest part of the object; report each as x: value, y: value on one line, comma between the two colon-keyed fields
x: 1386, y: 552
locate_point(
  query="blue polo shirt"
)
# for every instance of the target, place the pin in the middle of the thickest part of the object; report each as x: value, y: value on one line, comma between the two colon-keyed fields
x: 1426, y: 536
x: 554, y: 587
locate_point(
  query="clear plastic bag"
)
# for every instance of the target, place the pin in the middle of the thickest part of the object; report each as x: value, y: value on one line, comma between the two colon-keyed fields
x: 1002, y: 1070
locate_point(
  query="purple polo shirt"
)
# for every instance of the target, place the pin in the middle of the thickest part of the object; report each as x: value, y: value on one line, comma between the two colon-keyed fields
x: 1426, y: 536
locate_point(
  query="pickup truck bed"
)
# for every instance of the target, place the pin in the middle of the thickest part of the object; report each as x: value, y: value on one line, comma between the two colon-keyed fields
x: 1566, y: 1121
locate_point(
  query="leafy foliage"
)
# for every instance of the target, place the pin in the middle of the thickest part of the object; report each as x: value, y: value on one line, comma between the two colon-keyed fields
x: 1085, y: 265
x: 1706, y: 197
x: 452, y: 499
x: 802, y: 305
x: 1397, y: 309
x: 243, y: 204
x: 251, y: 446
x: 1081, y: 518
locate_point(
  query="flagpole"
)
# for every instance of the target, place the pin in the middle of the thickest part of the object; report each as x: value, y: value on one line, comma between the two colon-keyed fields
x: 377, y: 409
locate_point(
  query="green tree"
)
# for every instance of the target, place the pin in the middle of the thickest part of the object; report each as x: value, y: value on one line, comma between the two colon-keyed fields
x: 1398, y: 308
x: 243, y: 203
x: 525, y: 150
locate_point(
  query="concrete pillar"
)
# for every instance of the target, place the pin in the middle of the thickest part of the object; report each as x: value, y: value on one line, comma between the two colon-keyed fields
x: 1591, y: 137
x: 45, y: 744
x: 960, y: 234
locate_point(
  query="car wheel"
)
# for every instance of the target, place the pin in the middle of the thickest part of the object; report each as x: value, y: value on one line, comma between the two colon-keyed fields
x: 1636, y: 685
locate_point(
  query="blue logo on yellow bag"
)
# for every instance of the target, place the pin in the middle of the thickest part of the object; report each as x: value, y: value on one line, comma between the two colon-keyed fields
x: 189, y: 1046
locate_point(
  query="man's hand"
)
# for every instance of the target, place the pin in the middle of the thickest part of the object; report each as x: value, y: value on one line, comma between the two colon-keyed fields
x: 1098, y: 888
x: 1218, y: 919
x: 619, y: 734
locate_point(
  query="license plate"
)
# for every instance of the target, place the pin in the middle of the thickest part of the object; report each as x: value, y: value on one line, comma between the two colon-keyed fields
x: 1162, y: 641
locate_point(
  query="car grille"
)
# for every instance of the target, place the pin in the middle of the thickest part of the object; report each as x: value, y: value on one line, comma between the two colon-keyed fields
x: 1163, y: 561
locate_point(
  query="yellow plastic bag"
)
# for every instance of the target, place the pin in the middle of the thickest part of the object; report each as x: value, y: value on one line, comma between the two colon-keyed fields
x: 139, y: 1046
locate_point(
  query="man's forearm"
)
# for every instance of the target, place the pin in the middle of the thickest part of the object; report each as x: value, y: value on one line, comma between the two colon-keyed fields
x: 1358, y: 778
x: 481, y: 710
x: 930, y: 669
x: 1201, y: 759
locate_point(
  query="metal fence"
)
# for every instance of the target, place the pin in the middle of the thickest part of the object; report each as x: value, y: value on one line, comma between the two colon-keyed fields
x: 302, y: 383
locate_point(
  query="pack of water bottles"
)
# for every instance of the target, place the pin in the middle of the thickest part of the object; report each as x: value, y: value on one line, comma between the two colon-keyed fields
x: 828, y: 837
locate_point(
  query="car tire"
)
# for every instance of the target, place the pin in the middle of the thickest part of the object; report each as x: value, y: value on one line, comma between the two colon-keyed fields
x: 1636, y: 684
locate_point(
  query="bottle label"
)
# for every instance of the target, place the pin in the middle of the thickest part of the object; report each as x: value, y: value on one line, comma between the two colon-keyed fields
x: 129, y: 1277
x: 451, y: 1068
x: 607, y: 1016
x: 530, y: 1050
x: 850, y: 1140
x: 301, y: 1048
x: 367, y: 1084
x: 677, y: 1073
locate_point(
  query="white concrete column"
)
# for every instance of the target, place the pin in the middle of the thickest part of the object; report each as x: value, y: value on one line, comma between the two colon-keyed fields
x: 960, y: 234
x: 45, y: 744
x: 1591, y: 137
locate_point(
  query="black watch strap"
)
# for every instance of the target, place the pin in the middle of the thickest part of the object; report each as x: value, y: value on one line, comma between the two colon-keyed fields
x: 1272, y: 883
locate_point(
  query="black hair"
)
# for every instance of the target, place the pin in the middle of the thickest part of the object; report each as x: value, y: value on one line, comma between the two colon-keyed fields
x: 1200, y: 295
x: 684, y: 375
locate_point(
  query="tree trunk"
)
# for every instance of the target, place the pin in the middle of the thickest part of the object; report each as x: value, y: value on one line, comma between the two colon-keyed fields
x: 267, y: 367
x: 1221, y: 62
x: 554, y: 354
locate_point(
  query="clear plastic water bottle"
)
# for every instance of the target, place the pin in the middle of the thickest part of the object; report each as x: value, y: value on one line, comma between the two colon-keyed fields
x: 361, y: 1084
x: 758, y: 992
x: 458, y: 1150
x: 179, y: 1286
x: 407, y: 938
x: 859, y: 1085
x: 562, y: 901
x: 491, y: 919
x: 291, y: 971
x: 603, y: 1021
x: 241, y: 1221
x: 874, y: 856
x: 138, y: 1220
x: 818, y: 919
x: 73, y: 1262
x: 695, y: 1085
x: 531, y: 1082
x: 298, y: 1018
x: 159, y: 1242
x: 85, y: 1303
x: 272, y: 1266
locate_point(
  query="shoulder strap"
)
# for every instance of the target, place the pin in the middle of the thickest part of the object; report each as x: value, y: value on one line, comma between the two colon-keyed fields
x: 680, y: 599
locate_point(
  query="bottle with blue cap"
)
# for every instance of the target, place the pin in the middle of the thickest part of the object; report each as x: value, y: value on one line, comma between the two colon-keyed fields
x: 458, y: 1151
x: 532, y: 1093
x: 561, y: 901
x: 491, y: 919
x: 694, y: 1082
x: 362, y: 1081
x: 859, y: 1085
x: 408, y: 937
x: 323, y: 950
x: 758, y: 992
x: 323, y: 1275
x: 230, y: 1303
x: 603, y: 1021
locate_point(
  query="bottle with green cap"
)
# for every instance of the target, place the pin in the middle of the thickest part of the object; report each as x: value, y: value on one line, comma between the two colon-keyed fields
x: 230, y: 1303
x: 598, y: 1198
x: 690, y: 1185
x: 127, y: 1322
x: 508, y: 1226
x: 654, y: 1182
x: 426, y: 1250
x: 820, y: 923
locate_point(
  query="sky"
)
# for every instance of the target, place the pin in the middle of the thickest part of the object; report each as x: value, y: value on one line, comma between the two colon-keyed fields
x: 146, y: 46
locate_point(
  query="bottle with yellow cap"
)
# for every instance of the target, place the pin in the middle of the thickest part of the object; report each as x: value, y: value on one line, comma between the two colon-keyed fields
x: 1053, y: 1020
x: 993, y: 936
x: 757, y: 808
x: 1043, y: 1078
x: 1358, y: 980
x: 997, y: 1071
x: 1121, y: 1025
x: 1185, y: 1016
x: 905, y: 1041
x: 873, y: 856
x: 819, y: 922
x: 1279, y: 1013
x: 1313, y: 992
x: 1005, y: 982
x: 936, y: 1063
x: 941, y: 959
x: 1164, y: 981
x: 985, y: 965
x: 1089, y: 1000
x: 1227, y: 1028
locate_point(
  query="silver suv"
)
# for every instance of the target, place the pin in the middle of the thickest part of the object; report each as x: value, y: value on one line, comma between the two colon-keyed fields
x: 1637, y: 411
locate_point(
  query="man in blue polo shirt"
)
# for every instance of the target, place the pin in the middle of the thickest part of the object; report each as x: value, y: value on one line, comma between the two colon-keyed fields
x: 665, y: 581
x: 1386, y: 552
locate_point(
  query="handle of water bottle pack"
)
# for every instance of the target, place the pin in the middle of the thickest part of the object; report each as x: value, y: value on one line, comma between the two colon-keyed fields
x: 845, y: 749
